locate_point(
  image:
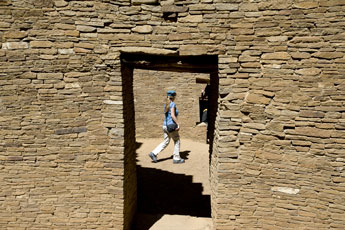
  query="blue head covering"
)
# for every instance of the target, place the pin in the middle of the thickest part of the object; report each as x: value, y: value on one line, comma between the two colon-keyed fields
x: 171, y: 93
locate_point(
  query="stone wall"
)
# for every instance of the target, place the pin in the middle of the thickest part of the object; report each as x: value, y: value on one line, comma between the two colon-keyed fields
x: 66, y: 138
x: 150, y: 93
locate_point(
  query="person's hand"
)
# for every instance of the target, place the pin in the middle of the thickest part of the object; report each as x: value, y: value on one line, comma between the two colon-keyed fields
x: 178, y: 128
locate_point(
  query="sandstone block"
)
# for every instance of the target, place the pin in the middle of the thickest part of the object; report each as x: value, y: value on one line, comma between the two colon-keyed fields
x: 5, y: 25
x: 309, y: 71
x: 257, y: 126
x: 60, y: 3
x: 147, y: 50
x: 312, y: 114
x: 41, y: 44
x: 201, y: 7
x: 65, y: 51
x: 313, y: 132
x: 306, y: 5
x: 332, y: 3
x: 146, y: 29
x: 249, y: 7
x: 50, y: 76
x: 328, y: 55
x: 15, y: 45
x: 277, y: 38
x: 192, y: 19
x: 15, y: 34
x: 193, y: 50
x: 276, y: 56
x: 86, y: 29
x: 65, y: 26
x: 179, y: 37
x: 257, y: 99
x: 227, y: 6
x: 300, y: 55
x: 72, y: 33
x: 174, y: 9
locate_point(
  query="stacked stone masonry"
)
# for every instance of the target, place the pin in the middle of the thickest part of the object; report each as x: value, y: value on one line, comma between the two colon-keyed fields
x: 66, y: 148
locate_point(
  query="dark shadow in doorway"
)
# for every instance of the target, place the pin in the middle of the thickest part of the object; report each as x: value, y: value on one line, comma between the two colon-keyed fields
x: 161, y: 192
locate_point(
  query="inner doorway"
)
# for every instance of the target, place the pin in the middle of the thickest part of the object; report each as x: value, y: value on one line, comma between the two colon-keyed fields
x: 132, y: 185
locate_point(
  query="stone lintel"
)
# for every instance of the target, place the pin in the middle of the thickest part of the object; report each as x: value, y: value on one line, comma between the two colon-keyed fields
x: 147, y: 50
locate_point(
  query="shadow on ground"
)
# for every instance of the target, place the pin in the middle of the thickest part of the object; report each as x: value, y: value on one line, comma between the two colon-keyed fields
x: 161, y: 192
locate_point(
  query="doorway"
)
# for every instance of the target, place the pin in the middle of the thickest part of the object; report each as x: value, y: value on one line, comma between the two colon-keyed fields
x: 205, y: 64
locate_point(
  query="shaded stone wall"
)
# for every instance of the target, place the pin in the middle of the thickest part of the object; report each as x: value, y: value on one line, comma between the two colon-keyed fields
x: 278, y: 157
x: 150, y: 93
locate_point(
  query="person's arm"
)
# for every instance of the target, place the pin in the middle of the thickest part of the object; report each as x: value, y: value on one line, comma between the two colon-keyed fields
x: 173, y: 116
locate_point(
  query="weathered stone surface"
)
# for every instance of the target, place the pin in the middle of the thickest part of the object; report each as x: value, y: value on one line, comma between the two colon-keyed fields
x: 66, y: 108
x: 147, y: 50
x: 174, y: 9
x: 313, y: 132
x: 71, y: 130
x: 306, y: 5
x: 15, y: 34
x: 193, y: 50
x: 146, y: 29
x: 276, y: 56
x: 328, y: 55
x: 257, y: 99
x: 41, y: 44
x: 86, y: 29
x: 15, y: 45
x: 60, y: 3
x: 192, y: 19
x: 309, y: 71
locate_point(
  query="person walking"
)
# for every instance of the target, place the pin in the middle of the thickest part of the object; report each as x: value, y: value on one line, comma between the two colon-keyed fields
x: 170, y: 130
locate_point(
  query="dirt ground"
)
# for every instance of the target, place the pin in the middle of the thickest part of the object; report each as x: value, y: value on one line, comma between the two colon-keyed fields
x: 173, y: 196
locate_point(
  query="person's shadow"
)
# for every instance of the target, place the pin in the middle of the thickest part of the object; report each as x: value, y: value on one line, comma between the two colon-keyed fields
x: 184, y: 155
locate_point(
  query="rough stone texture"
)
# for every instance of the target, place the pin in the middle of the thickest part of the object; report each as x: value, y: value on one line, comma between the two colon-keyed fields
x: 150, y: 93
x: 67, y: 151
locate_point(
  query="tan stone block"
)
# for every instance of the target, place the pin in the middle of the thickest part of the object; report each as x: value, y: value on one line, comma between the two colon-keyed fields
x: 300, y: 55
x: 72, y: 33
x: 227, y: 6
x: 50, y: 76
x: 15, y: 45
x: 332, y: 3
x: 308, y: 71
x: 311, y: 113
x: 5, y: 25
x: 328, y: 55
x: 249, y: 7
x: 193, y: 50
x: 145, y: 29
x: 276, y: 56
x: 192, y: 19
x: 15, y: 34
x: 179, y: 36
x: 65, y: 26
x: 81, y: 50
x: 41, y: 44
x: 306, y: 5
x: 313, y: 132
x: 257, y: 99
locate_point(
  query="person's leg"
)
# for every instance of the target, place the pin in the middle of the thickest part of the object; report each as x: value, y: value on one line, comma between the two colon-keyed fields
x: 164, y: 144
x: 176, y: 137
